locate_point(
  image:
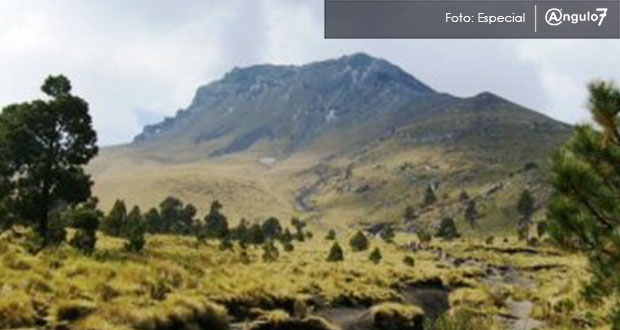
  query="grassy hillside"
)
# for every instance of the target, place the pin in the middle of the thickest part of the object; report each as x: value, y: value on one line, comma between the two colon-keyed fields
x: 178, y: 283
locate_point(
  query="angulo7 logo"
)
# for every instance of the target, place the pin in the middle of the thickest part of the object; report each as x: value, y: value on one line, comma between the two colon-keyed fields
x: 556, y: 16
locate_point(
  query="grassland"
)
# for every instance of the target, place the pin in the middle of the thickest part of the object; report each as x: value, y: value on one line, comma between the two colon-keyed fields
x: 177, y: 282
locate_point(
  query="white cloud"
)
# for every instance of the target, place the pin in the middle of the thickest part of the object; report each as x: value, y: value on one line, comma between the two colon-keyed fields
x: 141, y: 60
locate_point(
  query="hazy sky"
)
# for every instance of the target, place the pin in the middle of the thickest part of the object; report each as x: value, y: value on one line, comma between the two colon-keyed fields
x: 138, y: 61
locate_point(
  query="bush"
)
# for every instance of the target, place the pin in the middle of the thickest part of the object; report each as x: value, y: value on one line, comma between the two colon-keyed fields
x: 335, y: 253
x: 409, y: 261
x: 489, y: 240
x: 423, y: 235
x: 375, y: 256
x: 288, y: 246
x: 331, y: 235
x: 359, y: 242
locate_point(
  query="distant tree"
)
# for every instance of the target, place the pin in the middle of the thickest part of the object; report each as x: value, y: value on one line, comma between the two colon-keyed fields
x: 409, y: 261
x: 288, y: 246
x: 153, y: 221
x: 359, y: 242
x: 44, y: 145
x: 255, y: 235
x: 299, y: 226
x: 471, y: 212
x: 286, y: 236
x: 375, y: 256
x: 114, y: 223
x: 423, y: 235
x: 271, y: 228
x: 335, y: 253
x: 242, y: 233
x: 226, y: 243
x: 429, y: 196
x: 463, y: 197
x: 331, y: 235
x: 135, y: 230
x: 85, y: 219
x: 387, y: 234
x: 175, y: 217
x: 270, y: 251
x: 215, y: 224
x: 525, y: 208
x: 410, y: 214
x: 447, y: 229
x: 309, y: 235
x: 584, y: 212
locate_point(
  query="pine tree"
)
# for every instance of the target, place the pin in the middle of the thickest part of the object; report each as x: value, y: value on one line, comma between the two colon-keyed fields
x: 242, y: 233
x: 255, y: 235
x: 134, y: 232
x: 447, y: 229
x: 114, y: 223
x: 299, y: 226
x: 331, y: 235
x: 375, y: 256
x: 471, y: 212
x: 429, y: 196
x: 584, y: 211
x: 153, y: 221
x: 216, y: 225
x: 335, y: 253
x: 359, y: 242
x: 85, y: 219
x: 525, y: 208
x: 271, y: 228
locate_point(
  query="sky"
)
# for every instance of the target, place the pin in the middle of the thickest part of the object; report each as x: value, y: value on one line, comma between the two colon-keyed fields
x: 138, y: 61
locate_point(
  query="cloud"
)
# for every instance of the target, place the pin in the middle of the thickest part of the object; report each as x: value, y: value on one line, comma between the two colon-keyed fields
x: 138, y: 61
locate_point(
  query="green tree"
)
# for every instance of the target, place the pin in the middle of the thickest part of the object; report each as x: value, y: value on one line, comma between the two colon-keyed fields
x: 242, y: 233
x: 271, y: 228
x: 270, y: 251
x: 335, y: 253
x: 216, y: 224
x: 115, y: 221
x: 447, y: 229
x: 331, y: 235
x: 471, y: 212
x: 584, y: 212
x: 525, y: 208
x: 135, y: 230
x: 44, y: 145
x: 375, y: 256
x: 359, y: 242
x: 153, y: 221
x: 387, y: 234
x: 175, y: 217
x: 255, y: 235
x: 299, y: 226
x: 429, y: 196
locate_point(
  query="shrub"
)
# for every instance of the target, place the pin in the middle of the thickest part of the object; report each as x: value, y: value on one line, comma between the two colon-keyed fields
x: 359, y: 242
x: 375, y: 256
x: 335, y: 253
x: 489, y: 240
x: 409, y: 261
x: 288, y: 246
x: 331, y: 235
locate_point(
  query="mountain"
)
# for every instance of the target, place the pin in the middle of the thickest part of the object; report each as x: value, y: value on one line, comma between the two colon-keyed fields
x: 339, y: 140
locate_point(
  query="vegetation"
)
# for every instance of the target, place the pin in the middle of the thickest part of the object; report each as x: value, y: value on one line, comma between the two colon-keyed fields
x: 375, y: 256
x: 335, y: 253
x: 584, y: 212
x: 447, y: 229
x: 215, y: 224
x: 359, y: 242
x: 471, y: 212
x: 525, y: 208
x: 331, y: 235
x: 44, y: 145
